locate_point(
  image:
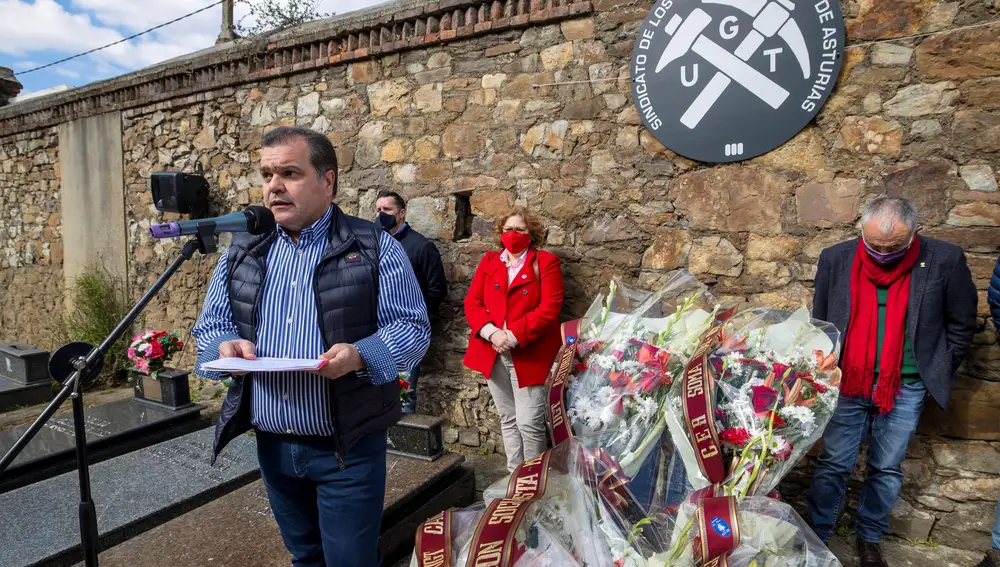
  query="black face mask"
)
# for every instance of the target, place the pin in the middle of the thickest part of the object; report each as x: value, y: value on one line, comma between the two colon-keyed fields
x: 387, y: 221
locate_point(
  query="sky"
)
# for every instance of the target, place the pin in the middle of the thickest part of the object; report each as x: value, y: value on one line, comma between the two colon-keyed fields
x: 37, y: 32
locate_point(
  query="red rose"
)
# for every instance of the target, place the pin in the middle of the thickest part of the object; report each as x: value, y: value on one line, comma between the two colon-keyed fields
x: 764, y: 398
x: 155, y: 350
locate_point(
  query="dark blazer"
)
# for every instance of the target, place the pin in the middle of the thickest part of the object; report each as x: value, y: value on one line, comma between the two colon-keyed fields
x: 941, y: 317
x: 426, y: 262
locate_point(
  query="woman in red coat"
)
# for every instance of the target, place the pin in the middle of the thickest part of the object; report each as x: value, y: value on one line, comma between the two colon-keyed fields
x: 513, y: 310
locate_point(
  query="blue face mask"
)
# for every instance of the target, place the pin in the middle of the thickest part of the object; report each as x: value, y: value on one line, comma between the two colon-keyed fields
x: 886, y: 258
x: 387, y: 221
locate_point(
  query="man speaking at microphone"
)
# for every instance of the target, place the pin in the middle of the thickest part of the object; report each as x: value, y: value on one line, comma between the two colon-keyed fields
x: 322, y: 284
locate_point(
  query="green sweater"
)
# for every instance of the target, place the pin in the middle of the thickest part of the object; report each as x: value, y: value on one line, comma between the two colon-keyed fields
x: 910, y: 372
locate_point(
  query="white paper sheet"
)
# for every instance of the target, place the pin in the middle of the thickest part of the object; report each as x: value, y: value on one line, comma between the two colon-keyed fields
x: 263, y: 364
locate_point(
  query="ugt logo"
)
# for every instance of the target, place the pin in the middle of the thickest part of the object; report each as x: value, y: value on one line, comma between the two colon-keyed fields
x: 726, y: 80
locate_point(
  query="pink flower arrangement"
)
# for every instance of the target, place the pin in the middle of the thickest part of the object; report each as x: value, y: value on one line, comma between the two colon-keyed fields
x: 151, y: 350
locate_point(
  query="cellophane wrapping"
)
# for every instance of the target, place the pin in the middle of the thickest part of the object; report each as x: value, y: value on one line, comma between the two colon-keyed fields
x: 579, y: 519
x: 633, y: 347
x: 772, y: 534
x: 775, y: 380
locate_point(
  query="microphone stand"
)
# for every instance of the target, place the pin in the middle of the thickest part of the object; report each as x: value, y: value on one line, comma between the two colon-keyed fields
x: 77, y: 363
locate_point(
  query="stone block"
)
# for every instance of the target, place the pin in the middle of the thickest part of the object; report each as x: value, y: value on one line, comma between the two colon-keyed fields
x: 923, y: 99
x: 771, y: 248
x: 389, y: 98
x: 925, y: 129
x: 826, y: 204
x: 668, y: 251
x: 891, y: 54
x: 968, y: 527
x: 23, y: 363
x: 909, y: 523
x: 825, y: 240
x: 978, y: 177
x: 975, y: 214
x: 715, y: 255
x: 878, y: 19
x: 417, y: 436
x: 971, y: 412
x: 928, y: 183
x: 960, y: 55
x: 872, y: 135
x: 578, y: 29
x: 469, y: 437
x: 732, y: 198
x: 977, y: 131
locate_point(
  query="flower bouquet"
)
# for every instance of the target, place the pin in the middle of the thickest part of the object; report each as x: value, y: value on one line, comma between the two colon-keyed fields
x: 404, y: 385
x: 569, y: 506
x: 151, y: 350
x: 755, y: 397
x: 767, y: 533
x: 630, y: 348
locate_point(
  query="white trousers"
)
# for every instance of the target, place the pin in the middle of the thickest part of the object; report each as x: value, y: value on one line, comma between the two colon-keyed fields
x: 522, y: 413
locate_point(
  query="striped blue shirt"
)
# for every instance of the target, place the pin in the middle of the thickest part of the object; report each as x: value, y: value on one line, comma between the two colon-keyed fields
x: 288, y: 326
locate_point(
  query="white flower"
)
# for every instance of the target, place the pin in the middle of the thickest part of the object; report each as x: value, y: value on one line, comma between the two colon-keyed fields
x: 605, y: 395
x: 803, y: 417
x: 631, y: 367
x: 608, y: 415
x: 778, y: 443
x: 605, y: 361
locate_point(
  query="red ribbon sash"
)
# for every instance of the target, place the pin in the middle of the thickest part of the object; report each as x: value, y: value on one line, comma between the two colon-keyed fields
x: 493, y: 543
x: 720, y: 531
x: 433, y: 545
x: 698, y: 397
x: 561, y: 430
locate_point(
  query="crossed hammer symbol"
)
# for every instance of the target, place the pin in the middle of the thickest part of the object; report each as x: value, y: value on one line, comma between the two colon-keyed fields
x: 770, y: 19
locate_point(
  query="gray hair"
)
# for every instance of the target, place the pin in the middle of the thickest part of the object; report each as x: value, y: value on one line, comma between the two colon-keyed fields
x: 322, y: 155
x: 888, y: 210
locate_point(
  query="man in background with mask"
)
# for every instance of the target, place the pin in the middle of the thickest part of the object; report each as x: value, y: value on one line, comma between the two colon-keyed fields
x: 906, y: 309
x: 426, y: 261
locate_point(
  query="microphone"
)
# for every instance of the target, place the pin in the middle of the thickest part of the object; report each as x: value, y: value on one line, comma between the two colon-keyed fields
x: 255, y: 220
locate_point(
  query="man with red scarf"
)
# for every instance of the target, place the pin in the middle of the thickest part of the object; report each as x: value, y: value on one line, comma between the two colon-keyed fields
x: 906, y: 307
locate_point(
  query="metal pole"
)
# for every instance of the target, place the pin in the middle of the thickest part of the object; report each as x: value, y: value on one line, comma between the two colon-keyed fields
x: 88, y: 512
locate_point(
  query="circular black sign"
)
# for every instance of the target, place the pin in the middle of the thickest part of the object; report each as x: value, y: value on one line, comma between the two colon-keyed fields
x: 727, y: 80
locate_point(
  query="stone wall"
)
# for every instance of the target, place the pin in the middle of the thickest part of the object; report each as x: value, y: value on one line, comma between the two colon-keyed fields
x: 31, y: 246
x: 470, y: 126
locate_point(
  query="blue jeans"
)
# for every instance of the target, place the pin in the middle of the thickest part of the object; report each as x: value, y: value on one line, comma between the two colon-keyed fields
x: 890, y: 434
x: 410, y: 403
x: 996, y: 529
x: 643, y: 484
x: 328, y: 517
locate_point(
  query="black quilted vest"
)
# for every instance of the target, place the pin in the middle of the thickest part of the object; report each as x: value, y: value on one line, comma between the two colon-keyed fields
x: 345, y: 284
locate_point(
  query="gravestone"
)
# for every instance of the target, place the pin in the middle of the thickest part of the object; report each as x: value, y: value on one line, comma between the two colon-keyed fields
x: 238, y: 529
x: 132, y: 492
x: 24, y: 376
x: 417, y: 436
x: 112, y: 429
